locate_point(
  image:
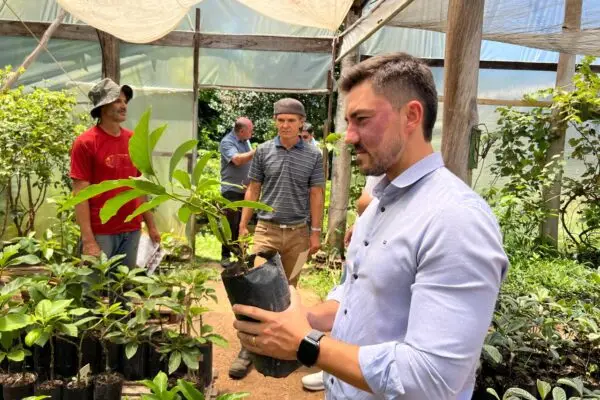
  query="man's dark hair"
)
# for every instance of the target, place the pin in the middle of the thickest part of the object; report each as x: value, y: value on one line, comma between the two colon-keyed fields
x: 308, y: 127
x: 399, y: 77
x: 239, y: 125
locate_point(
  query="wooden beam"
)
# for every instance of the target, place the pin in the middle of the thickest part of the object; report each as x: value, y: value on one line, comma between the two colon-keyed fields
x: 342, y: 168
x: 508, y: 102
x: 195, y: 92
x: 461, y: 74
x: 564, y: 76
x: 510, y: 65
x: 47, y: 34
x: 111, y: 56
x: 182, y: 39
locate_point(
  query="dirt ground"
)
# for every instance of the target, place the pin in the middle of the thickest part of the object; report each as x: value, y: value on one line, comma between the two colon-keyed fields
x: 259, y: 387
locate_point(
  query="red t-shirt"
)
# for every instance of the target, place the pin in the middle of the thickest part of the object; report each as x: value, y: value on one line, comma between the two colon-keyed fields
x: 98, y: 156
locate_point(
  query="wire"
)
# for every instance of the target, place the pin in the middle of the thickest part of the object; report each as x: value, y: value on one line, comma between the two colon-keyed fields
x: 45, y: 48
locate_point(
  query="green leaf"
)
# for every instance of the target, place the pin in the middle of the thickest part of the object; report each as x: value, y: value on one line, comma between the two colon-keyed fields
x: 519, y: 393
x: 184, y: 213
x: 132, y: 295
x: 11, y: 322
x: 183, y: 178
x: 191, y: 360
x: 144, y: 280
x: 492, y: 353
x: 130, y: 350
x: 199, y: 168
x: 250, y: 204
x: 68, y: 329
x: 113, y: 205
x: 178, y: 155
x: 544, y: 388
x: 217, y: 340
x: 226, y: 228
x: 575, y: 383
x: 149, y: 205
x: 29, y: 259
x: 493, y: 393
x: 214, y: 227
x: 139, y: 145
x: 174, y: 361
x: 559, y: 394
x: 233, y: 396
x: 93, y: 191
x: 84, y: 321
x: 33, y: 336
x: 146, y: 186
x: 189, y: 391
x: 78, y: 312
x: 155, y: 136
x: 16, y: 355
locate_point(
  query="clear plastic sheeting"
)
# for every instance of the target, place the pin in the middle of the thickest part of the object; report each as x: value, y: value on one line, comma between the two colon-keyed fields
x: 533, y: 23
x: 143, y: 21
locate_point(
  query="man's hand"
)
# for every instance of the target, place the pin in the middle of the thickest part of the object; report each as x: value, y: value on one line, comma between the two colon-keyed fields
x: 315, y: 242
x: 91, y: 248
x: 348, y: 236
x: 243, y: 231
x: 154, y: 235
x: 276, y: 335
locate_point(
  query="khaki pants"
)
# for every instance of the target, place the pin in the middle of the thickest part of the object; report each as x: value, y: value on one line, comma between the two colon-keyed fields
x: 292, y: 243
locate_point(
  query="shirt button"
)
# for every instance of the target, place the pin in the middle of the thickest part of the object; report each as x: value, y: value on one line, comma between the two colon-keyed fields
x: 382, y: 209
x: 366, y: 243
x: 331, y: 380
x: 345, y: 311
x: 355, y: 276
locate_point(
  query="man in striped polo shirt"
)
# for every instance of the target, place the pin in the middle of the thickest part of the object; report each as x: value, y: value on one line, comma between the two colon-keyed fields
x: 287, y: 174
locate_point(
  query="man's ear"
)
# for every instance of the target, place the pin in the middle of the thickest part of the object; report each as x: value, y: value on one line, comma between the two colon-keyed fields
x: 414, y: 115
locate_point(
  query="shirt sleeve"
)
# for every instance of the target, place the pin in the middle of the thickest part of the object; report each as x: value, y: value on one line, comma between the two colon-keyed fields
x: 257, y: 170
x: 228, y: 150
x: 460, y: 266
x: 317, y: 178
x: 81, y: 161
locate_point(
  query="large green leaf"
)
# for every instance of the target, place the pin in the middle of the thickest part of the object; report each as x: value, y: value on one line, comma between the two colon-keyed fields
x: 233, y: 396
x: 199, y: 168
x: 519, y: 393
x: 155, y: 136
x: 183, y: 178
x: 250, y: 204
x: 191, y: 360
x: 33, y: 336
x: 214, y: 227
x: 543, y: 388
x: 575, y: 383
x: 149, y: 205
x: 130, y: 350
x: 139, y: 145
x: 95, y: 190
x: 559, y: 394
x: 29, y: 259
x: 146, y: 186
x: 16, y: 355
x: 184, y: 213
x: 174, y: 361
x: 113, y: 205
x: 492, y: 353
x: 178, y: 155
x: 225, y: 227
x: 217, y: 340
x: 68, y: 329
x: 189, y: 391
x: 11, y: 322
x: 161, y: 382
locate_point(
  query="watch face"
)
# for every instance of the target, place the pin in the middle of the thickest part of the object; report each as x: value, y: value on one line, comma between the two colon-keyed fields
x: 308, y: 352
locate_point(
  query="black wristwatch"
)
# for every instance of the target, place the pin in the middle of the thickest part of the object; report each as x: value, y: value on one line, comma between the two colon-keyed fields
x: 308, y: 351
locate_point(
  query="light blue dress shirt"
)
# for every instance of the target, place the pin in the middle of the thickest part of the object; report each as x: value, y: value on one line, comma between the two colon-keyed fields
x: 424, y: 269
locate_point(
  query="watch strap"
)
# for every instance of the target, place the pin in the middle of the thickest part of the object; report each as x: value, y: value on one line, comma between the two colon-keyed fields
x: 315, y: 335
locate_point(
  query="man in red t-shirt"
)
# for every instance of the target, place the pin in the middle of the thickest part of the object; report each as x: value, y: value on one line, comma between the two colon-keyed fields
x: 102, y: 153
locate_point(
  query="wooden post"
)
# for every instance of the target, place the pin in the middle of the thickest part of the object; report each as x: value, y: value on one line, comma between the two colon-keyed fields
x: 342, y: 169
x: 461, y: 74
x: 111, y: 57
x: 36, y: 52
x: 564, y: 75
x: 195, y: 86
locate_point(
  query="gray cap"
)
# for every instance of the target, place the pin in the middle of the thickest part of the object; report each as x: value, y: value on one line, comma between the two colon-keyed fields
x: 288, y: 106
x: 105, y: 92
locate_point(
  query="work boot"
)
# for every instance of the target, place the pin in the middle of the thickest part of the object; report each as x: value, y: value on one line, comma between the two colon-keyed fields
x: 241, y: 365
x: 313, y: 382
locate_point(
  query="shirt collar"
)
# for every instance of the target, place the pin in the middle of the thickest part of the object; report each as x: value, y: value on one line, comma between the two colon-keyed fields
x: 299, y: 144
x: 234, y: 136
x: 412, y: 175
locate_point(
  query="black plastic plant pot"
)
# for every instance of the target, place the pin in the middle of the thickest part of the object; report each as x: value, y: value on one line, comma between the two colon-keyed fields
x: 108, y: 386
x: 114, y: 351
x: 65, y: 358
x: 91, y: 353
x: 41, y: 362
x: 18, y: 386
x: 206, y: 364
x: 264, y: 286
x: 74, y: 391
x: 134, y: 368
x: 155, y: 363
x: 50, y: 388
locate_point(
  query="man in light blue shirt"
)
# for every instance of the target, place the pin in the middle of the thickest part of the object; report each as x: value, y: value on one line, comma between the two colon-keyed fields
x: 424, y: 265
